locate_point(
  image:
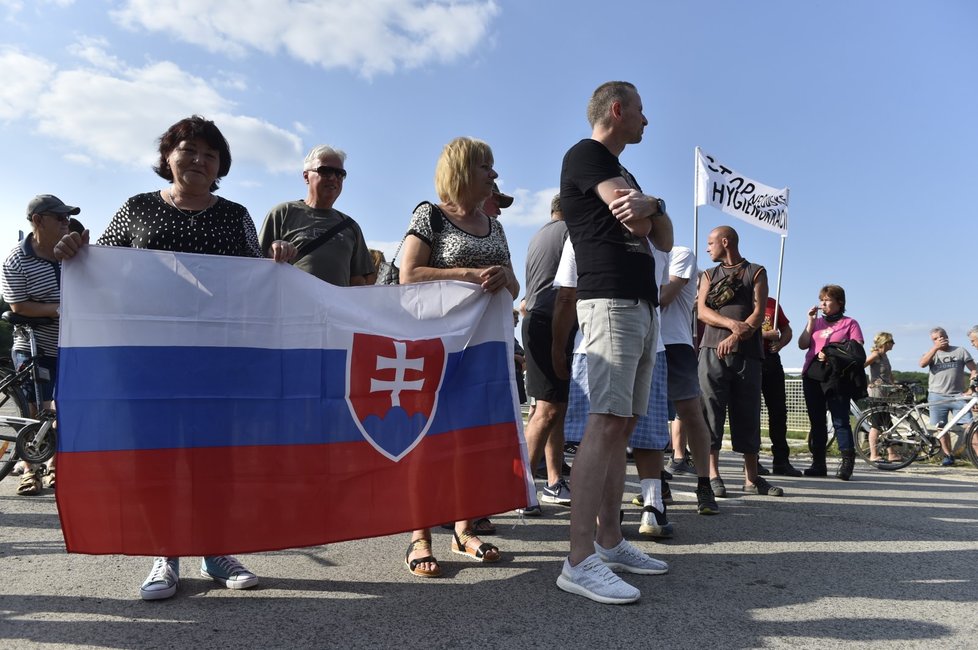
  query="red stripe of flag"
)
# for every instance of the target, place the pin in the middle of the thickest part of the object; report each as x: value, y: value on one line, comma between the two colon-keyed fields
x: 221, y: 500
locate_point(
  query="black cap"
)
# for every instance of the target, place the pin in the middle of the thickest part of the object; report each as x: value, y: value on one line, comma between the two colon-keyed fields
x: 504, y: 200
x: 44, y: 203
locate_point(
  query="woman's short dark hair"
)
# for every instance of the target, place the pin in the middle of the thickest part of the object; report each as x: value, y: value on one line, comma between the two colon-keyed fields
x: 835, y: 292
x: 191, y: 128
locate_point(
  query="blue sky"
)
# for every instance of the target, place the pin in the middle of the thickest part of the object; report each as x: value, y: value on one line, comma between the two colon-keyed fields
x: 866, y: 110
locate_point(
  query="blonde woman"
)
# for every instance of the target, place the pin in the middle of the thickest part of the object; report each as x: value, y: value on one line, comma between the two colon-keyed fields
x: 456, y: 240
x: 880, y: 375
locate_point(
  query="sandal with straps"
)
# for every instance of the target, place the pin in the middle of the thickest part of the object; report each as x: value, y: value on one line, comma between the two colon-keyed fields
x: 486, y: 553
x: 412, y: 565
x: 30, y: 483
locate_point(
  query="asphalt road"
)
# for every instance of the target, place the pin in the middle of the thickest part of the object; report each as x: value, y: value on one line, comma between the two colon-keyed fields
x: 885, y: 560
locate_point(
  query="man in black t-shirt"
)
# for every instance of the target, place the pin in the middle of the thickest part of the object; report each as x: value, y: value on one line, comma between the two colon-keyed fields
x: 609, y: 220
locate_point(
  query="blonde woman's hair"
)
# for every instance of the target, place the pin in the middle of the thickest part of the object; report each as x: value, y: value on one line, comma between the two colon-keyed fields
x: 882, y: 339
x: 453, y: 173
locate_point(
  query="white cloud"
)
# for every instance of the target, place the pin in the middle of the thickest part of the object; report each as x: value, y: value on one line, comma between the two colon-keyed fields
x: 529, y: 208
x: 94, y: 51
x: 388, y: 248
x: 24, y: 78
x: 117, y: 114
x: 368, y: 36
x: 78, y: 158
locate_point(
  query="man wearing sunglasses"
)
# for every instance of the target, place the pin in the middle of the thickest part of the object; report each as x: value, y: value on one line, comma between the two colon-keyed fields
x: 330, y: 244
x: 31, y: 281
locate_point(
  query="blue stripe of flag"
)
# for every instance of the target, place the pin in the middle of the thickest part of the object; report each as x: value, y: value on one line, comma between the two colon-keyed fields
x: 112, y: 398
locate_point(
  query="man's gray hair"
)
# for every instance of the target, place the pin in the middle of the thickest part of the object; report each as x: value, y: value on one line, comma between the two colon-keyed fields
x: 940, y: 331
x: 973, y: 330
x: 319, y: 152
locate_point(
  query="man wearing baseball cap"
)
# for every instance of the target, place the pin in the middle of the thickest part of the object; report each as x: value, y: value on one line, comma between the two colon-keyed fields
x: 496, y: 201
x: 31, y: 284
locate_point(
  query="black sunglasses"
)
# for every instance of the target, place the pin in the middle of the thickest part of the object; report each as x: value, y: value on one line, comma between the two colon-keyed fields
x: 326, y: 170
x: 63, y: 218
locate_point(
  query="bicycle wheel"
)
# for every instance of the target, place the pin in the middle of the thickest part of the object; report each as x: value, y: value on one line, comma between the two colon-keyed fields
x: 12, y: 404
x: 971, y: 443
x: 899, y: 441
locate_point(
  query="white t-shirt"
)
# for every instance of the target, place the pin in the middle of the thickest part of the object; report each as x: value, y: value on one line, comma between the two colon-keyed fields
x: 677, y: 316
x: 566, y: 276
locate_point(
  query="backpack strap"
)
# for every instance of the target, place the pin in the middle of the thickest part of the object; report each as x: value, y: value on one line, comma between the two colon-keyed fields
x: 309, y: 246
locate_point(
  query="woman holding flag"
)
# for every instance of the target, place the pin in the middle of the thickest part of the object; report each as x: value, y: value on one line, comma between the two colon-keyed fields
x: 456, y: 240
x: 186, y: 217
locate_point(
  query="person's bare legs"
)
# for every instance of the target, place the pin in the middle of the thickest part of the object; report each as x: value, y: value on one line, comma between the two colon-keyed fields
x: 554, y: 450
x: 750, y: 469
x: 697, y: 434
x: 648, y: 463
x: 598, y: 477
x: 714, y: 463
x: 540, y: 432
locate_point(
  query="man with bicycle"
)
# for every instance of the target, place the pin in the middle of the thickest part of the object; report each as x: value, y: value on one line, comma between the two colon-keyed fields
x: 946, y: 364
x: 31, y: 282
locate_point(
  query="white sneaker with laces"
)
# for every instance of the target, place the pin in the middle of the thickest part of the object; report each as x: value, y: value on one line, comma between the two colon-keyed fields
x: 162, y: 580
x: 593, y: 579
x: 228, y: 571
x: 626, y: 557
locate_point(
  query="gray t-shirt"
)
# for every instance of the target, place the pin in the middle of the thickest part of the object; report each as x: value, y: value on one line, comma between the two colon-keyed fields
x: 947, y: 371
x: 345, y: 254
x: 542, y: 258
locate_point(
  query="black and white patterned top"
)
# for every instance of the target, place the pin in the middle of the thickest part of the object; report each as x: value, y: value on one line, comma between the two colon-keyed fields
x: 147, y: 221
x: 454, y: 248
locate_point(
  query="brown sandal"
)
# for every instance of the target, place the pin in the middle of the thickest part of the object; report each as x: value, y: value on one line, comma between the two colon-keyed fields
x: 30, y: 484
x: 486, y: 552
x: 412, y: 565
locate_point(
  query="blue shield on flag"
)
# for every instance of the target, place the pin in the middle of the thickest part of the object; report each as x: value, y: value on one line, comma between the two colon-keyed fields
x: 392, y: 390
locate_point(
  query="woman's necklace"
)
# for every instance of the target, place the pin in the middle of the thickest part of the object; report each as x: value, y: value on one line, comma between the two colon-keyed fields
x: 187, y: 213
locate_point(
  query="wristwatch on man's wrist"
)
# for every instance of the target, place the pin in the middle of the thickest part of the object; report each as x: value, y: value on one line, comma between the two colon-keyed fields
x: 661, y: 205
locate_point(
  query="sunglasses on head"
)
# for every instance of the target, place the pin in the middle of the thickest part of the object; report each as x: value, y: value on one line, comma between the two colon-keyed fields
x: 326, y: 170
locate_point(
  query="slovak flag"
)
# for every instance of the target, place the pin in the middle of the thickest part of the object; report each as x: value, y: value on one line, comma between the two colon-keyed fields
x: 211, y: 405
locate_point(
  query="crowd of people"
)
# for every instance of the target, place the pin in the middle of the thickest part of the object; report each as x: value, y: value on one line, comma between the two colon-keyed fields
x: 610, y: 308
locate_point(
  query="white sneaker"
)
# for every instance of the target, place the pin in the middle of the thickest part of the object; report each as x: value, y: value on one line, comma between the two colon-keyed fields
x: 228, y: 571
x: 626, y: 557
x: 162, y: 579
x: 593, y: 579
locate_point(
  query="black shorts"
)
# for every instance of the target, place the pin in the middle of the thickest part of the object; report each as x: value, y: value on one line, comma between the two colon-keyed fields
x: 541, y: 382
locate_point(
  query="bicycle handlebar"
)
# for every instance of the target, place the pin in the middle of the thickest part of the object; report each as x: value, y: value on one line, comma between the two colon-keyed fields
x: 17, y: 319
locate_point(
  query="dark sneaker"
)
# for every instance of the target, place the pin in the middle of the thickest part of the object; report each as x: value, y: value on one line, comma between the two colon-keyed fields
x: 654, y: 523
x: 719, y: 489
x: 706, y: 503
x: 816, y: 470
x: 682, y: 466
x: 558, y: 493
x: 948, y: 461
x: 761, y: 486
x: 761, y: 470
x: 530, y: 511
x: 785, y: 470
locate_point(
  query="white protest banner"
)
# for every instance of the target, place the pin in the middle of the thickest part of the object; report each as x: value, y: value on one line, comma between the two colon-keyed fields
x: 740, y: 196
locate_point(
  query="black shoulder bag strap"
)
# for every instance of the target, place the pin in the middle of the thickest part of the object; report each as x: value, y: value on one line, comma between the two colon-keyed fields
x: 309, y: 246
